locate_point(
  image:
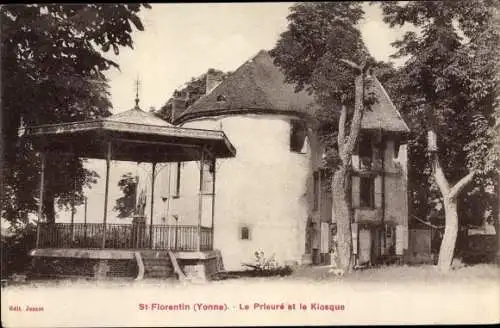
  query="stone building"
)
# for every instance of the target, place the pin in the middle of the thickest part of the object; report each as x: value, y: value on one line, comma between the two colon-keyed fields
x: 273, y: 196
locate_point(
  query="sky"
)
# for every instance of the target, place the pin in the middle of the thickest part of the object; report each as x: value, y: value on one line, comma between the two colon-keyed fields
x: 181, y: 41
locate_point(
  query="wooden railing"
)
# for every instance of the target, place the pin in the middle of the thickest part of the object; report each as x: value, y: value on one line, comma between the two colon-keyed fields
x: 124, y: 236
x: 206, y: 239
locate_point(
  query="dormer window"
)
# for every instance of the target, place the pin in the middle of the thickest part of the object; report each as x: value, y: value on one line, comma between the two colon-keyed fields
x: 298, y: 137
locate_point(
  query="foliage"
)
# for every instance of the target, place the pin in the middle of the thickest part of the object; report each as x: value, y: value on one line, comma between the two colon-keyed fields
x: 322, y: 51
x: 189, y: 93
x: 17, y: 241
x: 448, y: 83
x: 481, y: 248
x: 52, y: 62
x: 125, y: 205
x: 264, y: 263
x: 319, y: 34
x: 266, y: 266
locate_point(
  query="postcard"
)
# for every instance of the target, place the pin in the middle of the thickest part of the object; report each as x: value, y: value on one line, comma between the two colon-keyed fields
x: 250, y: 164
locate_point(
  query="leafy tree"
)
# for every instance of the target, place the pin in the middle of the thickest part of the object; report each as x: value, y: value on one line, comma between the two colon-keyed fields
x: 322, y: 51
x: 52, y: 68
x: 125, y: 205
x: 188, y: 95
x: 447, y: 89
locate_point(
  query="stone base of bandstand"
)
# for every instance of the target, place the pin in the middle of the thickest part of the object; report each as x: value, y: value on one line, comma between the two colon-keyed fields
x: 106, y: 264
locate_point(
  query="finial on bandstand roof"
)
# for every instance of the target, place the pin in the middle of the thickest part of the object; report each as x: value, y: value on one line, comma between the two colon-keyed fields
x: 137, y: 94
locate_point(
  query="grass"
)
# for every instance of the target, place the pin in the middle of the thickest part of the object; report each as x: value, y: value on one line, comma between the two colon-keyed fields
x: 320, y: 274
x: 404, y: 273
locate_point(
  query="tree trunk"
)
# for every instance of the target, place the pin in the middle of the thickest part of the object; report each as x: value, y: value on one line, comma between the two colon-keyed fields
x: 450, y: 195
x: 447, y: 248
x: 497, y: 226
x: 342, y: 211
x: 342, y: 214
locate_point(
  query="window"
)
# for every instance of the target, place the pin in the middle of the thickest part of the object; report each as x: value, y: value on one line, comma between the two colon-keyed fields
x: 366, y: 192
x: 245, y: 233
x: 365, y: 152
x: 298, y: 133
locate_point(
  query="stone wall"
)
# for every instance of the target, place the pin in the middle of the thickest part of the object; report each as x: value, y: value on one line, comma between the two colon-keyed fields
x: 83, y: 267
x: 199, y: 270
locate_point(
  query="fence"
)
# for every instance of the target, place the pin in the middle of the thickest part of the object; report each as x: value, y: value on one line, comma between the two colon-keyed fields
x: 124, y: 236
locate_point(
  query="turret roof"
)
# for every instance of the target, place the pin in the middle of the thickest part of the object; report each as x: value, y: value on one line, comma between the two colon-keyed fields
x: 256, y: 86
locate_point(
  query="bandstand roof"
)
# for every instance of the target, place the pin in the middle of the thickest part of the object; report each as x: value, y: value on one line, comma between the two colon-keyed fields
x: 134, y: 135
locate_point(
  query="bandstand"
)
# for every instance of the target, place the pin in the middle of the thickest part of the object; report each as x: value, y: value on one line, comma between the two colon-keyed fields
x: 96, y: 249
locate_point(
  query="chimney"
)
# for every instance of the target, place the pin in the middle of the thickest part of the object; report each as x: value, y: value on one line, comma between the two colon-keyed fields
x: 213, y: 80
x: 178, y: 104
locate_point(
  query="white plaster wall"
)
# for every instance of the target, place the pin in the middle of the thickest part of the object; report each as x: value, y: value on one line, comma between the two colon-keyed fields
x: 263, y: 187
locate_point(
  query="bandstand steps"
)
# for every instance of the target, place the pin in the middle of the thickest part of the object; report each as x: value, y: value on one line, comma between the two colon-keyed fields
x: 157, y: 265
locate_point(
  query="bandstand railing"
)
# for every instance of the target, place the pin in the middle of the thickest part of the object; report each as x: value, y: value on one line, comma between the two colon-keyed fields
x: 125, y: 236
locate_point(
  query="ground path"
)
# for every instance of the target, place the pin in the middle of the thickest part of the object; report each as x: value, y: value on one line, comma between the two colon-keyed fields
x: 388, y: 295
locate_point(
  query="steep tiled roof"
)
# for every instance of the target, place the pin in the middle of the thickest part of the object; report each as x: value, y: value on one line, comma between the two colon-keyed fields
x: 259, y: 86
x: 383, y: 114
x: 256, y: 86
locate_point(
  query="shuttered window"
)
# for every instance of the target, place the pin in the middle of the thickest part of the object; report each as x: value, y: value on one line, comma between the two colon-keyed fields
x: 378, y: 191
x: 355, y: 192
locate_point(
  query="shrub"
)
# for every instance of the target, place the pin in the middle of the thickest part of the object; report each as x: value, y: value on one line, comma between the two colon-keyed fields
x: 263, y: 266
x: 15, y: 249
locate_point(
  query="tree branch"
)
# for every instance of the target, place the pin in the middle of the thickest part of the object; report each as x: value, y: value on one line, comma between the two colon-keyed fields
x: 358, y: 114
x: 427, y: 223
x: 457, y: 188
x: 352, y: 64
x: 341, y: 133
x: 440, y: 177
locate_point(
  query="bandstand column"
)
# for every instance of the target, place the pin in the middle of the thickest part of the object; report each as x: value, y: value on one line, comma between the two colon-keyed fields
x: 73, y: 201
x: 40, y: 198
x: 214, y: 162
x: 106, y: 191
x: 200, y: 199
x: 152, y: 205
